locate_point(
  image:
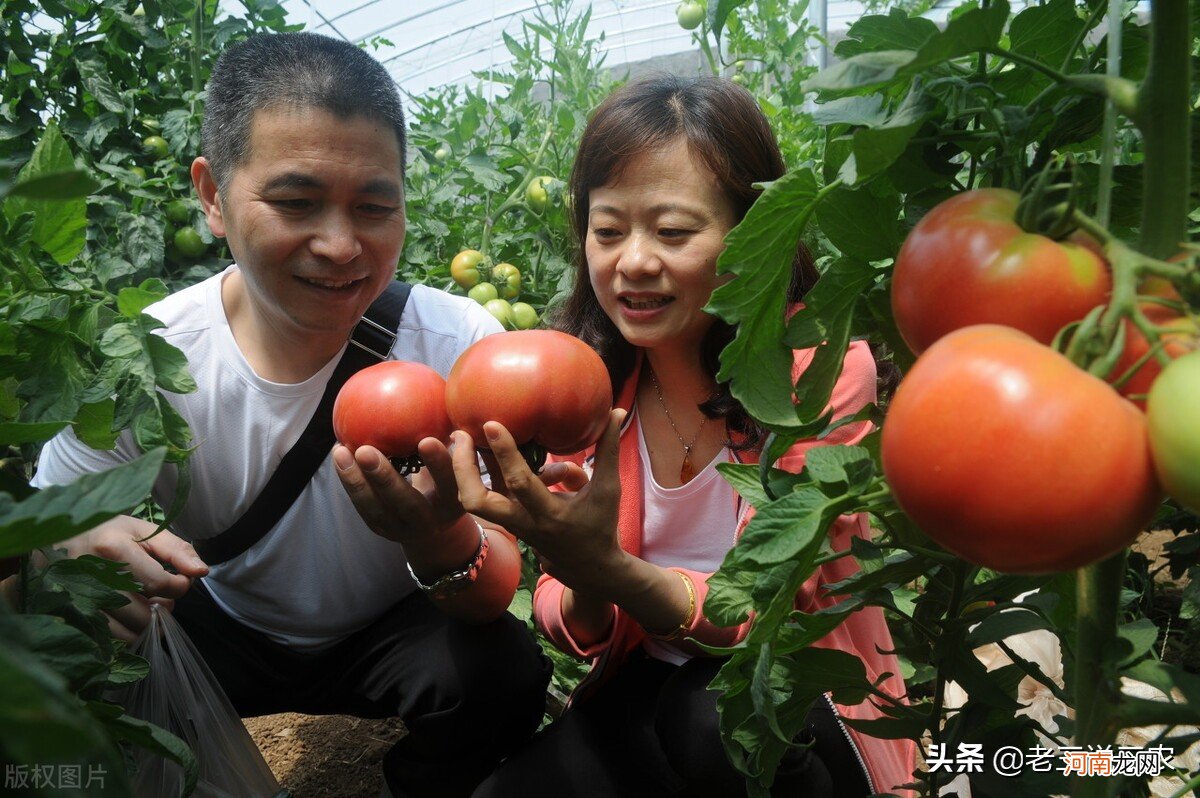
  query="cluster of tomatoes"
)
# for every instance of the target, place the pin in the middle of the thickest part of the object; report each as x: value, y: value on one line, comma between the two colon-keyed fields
x: 180, y: 233
x: 549, y: 390
x: 998, y: 446
x: 495, y: 287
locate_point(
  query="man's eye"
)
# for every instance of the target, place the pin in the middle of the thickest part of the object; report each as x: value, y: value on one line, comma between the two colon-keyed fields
x: 377, y: 210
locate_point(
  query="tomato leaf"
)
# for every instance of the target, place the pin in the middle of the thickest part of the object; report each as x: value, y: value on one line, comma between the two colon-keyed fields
x: 895, y: 31
x: 62, y: 511
x: 760, y: 252
x: 719, y: 11
x: 94, y: 424
x: 59, y: 225
x: 69, y: 184
x: 861, y: 223
x: 840, y: 470
x: 1046, y: 32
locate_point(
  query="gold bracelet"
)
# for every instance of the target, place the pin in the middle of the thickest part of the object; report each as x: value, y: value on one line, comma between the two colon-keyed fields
x: 689, y: 617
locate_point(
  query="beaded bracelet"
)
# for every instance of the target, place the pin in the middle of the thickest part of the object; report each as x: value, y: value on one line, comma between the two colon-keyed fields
x: 689, y: 617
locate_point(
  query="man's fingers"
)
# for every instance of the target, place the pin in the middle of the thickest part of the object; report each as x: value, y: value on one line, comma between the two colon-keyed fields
x: 128, y: 621
x: 170, y: 548
x: 144, y: 567
x: 440, y: 467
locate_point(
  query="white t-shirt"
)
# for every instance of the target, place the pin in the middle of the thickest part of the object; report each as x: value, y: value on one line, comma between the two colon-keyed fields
x: 320, y: 574
x: 691, y: 526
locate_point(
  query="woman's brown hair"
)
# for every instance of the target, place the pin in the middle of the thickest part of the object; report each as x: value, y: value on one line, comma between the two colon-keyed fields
x: 723, y: 127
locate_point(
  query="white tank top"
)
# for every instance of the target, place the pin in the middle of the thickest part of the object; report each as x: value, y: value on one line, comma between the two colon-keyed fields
x: 691, y: 526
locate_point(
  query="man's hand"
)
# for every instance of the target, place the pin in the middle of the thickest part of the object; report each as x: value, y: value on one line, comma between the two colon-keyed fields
x: 118, y: 540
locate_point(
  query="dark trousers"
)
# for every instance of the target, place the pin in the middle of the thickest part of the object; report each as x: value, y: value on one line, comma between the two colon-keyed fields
x: 468, y: 694
x: 653, y: 731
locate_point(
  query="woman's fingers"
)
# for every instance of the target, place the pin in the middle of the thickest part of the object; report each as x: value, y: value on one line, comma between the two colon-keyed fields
x: 522, y: 484
x: 606, y: 483
x: 565, y: 473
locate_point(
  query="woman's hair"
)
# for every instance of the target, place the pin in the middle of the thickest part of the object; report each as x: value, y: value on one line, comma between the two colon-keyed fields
x: 725, y: 129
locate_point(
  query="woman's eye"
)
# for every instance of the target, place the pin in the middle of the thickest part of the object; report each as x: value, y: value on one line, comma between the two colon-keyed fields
x: 673, y: 232
x: 604, y: 232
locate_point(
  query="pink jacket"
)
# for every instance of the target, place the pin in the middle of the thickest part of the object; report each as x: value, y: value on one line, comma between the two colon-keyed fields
x: 864, y: 633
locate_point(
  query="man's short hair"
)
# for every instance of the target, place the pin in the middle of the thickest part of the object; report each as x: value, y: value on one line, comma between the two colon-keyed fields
x: 302, y: 70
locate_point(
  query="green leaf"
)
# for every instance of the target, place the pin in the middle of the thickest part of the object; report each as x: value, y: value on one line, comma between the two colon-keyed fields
x: 719, y: 11
x: 65, y: 650
x: 745, y: 482
x: 132, y: 301
x: 59, y: 226
x: 845, y: 469
x: 158, y: 741
x: 62, y: 511
x: 760, y: 253
x: 95, y: 76
x: 94, y: 424
x: 780, y: 530
x: 1141, y: 634
x: 977, y: 29
x: 143, y: 237
x: 861, y: 224
x: 1046, y: 32
x: 896, y: 31
x: 17, y: 433
x: 56, y: 186
x: 876, y: 148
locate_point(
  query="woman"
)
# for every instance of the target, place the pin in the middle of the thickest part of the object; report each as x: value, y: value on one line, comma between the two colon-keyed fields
x: 665, y: 169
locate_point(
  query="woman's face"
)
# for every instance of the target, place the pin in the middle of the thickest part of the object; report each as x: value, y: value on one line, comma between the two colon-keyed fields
x: 652, y: 244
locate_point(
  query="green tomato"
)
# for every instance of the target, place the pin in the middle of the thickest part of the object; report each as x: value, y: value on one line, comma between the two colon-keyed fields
x: 442, y: 153
x: 536, y: 195
x: 524, y: 316
x: 739, y: 79
x: 690, y: 15
x: 1174, y: 428
x: 465, y: 268
x: 507, y: 278
x: 156, y: 146
x: 189, y: 243
x: 150, y: 123
x: 501, y: 310
x: 178, y: 211
x: 483, y: 293
x: 739, y: 65
x: 140, y: 172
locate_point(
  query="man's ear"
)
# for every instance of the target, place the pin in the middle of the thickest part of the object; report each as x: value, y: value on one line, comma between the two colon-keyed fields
x: 206, y: 189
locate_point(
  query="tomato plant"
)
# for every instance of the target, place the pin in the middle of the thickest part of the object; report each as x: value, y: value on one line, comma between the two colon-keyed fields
x: 689, y: 15
x: 465, y: 268
x: 392, y: 406
x: 1007, y: 454
x: 1175, y: 429
x: 968, y: 262
x: 545, y: 387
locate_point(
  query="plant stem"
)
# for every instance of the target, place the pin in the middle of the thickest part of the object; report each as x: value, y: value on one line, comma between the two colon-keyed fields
x: 1109, y: 141
x: 1165, y: 122
x: 518, y: 192
x: 1097, y: 688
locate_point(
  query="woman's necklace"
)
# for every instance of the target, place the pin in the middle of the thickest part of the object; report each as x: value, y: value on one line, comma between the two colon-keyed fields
x: 687, y: 470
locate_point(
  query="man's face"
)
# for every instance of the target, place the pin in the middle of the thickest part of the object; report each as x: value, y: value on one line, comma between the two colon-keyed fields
x: 314, y: 218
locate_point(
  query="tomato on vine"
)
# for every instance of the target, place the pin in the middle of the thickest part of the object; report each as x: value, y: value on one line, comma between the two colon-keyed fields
x: 968, y: 262
x: 392, y: 406
x: 507, y: 279
x: 547, y: 388
x: 1010, y: 456
x: 189, y: 243
x: 501, y: 310
x: 689, y: 15
x: 156, y: 146
x: 465, y: 268
x: 1175, y: 429
x: 536, y: 194
x: 525, y: 316
x: 483, y: 293
x: 178, y: 212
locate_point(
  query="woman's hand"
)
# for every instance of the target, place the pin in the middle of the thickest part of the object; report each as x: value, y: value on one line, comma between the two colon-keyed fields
x: 574, y: 533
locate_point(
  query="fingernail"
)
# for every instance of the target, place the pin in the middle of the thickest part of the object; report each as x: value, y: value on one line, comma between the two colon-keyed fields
x: 196, y: 562
x: 491, y: 433
x: 375, y: 464
x: 342, y: 458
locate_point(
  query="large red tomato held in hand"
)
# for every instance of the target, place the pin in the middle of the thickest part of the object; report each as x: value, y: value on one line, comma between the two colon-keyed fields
x: 392, y: 406
x: 544, y: 386
x: 968, y: 262
x: 1008, y: 455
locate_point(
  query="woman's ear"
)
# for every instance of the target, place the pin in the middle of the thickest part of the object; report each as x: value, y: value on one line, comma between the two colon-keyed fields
x: 210, y: 200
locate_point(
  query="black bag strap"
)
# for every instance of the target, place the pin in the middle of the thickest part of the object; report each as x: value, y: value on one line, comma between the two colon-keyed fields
x: 370, y: 343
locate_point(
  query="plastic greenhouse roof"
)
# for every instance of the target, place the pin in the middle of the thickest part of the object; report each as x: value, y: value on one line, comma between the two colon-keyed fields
x: 435, y: 42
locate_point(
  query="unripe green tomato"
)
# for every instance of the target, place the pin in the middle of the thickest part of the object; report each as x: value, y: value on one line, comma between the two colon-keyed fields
x: 740, y: 79
x: 189, y: 243
x: 739, y: 65
x: 139, y: 171
x: 525, y: 317
x: 150, y: 123
x: 156, y: 146
x: 690, y: 15
x: 536, y: 195
x: 177, y: 211
x: 465, y: 268
x: 501, y: 310
x: 1174, y: 427
x: 441, y: 153
x: 483, y: 293
x: 507, y: 278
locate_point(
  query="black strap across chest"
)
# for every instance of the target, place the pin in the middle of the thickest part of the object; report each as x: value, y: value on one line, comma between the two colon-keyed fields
x: 370, y: 343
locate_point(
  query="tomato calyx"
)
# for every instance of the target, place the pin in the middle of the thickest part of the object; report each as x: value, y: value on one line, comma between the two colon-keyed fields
x: 407, y: 465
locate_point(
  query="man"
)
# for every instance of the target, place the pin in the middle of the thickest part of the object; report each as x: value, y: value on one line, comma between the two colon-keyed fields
x: 302, y: 173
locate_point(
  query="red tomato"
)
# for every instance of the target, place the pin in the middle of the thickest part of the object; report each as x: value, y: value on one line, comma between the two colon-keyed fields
x: 1004, y: 452
x: 392, y: 406
x: 968, y: 262
x: 544, y: 386
x: 1181, y: 336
